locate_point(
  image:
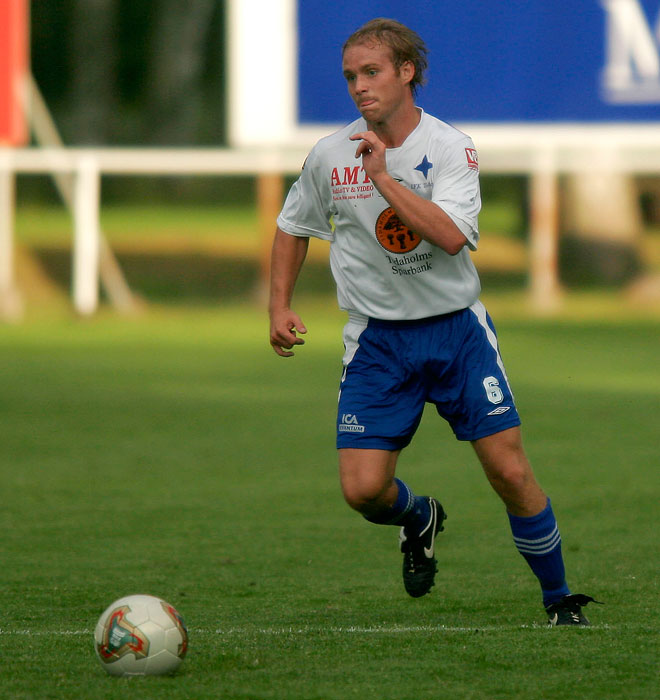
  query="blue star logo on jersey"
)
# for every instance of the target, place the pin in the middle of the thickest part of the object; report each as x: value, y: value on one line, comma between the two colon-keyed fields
x: 424, y: 167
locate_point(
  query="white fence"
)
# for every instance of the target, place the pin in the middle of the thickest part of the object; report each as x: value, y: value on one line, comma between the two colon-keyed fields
x: 541, y: 153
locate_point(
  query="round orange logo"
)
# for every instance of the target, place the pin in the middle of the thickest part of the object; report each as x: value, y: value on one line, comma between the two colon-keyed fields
x: 393, y: 234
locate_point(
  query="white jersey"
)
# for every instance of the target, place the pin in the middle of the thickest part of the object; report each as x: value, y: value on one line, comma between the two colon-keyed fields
x: 381, y: 268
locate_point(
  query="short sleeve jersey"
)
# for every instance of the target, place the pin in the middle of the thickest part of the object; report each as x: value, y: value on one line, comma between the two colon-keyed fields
x: 383, y: 269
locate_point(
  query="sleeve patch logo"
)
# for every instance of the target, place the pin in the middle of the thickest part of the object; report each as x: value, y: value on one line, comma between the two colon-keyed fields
x: 472, y: 158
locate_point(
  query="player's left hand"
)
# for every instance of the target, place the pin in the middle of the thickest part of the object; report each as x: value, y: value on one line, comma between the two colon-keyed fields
x: 372, y: 150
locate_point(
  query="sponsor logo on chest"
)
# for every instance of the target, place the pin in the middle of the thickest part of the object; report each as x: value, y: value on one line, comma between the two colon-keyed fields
x: 351, y: 183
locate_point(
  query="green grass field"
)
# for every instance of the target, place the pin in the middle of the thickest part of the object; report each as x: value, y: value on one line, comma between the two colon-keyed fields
x: 174, y: 454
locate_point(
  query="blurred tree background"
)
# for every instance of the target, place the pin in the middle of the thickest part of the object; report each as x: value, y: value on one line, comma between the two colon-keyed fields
x: 135, y: 73
x: 132, y: 72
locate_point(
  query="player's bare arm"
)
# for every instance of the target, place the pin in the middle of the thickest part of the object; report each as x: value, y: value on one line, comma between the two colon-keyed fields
x: 425, y: 218
x: 288, y: 255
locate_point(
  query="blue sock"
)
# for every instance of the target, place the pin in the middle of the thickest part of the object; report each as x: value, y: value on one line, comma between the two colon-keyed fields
x: 411, y: 511
x: 538, y: 540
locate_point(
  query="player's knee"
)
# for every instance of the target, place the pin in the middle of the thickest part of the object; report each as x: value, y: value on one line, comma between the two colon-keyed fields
x: 515, y: 476
x: 504, y: 460
x: 366, y: 497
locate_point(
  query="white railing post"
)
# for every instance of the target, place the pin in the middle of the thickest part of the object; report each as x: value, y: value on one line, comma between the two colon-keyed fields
x: 86, y: 204
x: 10, y: 300
x: 544, y: 283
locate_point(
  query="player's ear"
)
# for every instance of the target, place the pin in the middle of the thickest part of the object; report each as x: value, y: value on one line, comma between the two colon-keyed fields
x: 407, y: 71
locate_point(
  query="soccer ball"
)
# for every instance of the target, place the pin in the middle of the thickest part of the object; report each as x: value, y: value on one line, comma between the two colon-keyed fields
x: 140, y: 635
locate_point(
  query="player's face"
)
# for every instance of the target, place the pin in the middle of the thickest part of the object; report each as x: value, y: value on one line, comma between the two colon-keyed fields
x: 378, y: 89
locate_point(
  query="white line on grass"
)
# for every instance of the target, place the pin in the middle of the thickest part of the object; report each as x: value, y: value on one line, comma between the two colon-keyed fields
x: 42, y: 633
x: 283, y: 631
x: 274, y: 631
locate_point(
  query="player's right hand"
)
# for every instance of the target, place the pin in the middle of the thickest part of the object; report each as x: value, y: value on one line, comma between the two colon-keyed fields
x: 284, y: 327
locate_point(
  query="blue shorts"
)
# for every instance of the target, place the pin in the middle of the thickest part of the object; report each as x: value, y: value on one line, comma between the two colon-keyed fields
x: 393, y: 368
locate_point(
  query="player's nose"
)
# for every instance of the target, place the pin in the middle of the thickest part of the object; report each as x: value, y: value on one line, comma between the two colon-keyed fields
x: 359, y: 85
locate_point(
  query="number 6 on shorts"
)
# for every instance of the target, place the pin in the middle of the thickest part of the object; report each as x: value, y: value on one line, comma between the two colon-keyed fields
x: 493, y: 391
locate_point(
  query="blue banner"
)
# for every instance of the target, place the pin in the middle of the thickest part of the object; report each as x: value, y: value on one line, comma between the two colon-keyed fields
x: 499, y: 61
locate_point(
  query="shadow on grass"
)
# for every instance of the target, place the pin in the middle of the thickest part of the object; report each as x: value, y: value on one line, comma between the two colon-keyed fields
x: 187, y: 276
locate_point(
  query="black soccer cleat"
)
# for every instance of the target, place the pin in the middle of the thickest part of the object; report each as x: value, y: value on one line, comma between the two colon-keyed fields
x: 568, y: 611
x: 419, y: 563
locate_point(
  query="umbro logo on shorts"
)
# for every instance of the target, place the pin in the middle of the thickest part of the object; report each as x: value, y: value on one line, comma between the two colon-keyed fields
x: 499, y: 410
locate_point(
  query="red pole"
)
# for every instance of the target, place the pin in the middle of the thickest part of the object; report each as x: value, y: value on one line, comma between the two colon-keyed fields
x: 14, y: 51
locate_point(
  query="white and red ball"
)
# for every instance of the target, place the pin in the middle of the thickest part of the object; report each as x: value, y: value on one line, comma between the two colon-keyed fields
x: 140, y: 635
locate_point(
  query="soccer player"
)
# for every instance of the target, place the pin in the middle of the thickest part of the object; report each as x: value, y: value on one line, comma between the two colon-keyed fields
x: 396, y: 193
